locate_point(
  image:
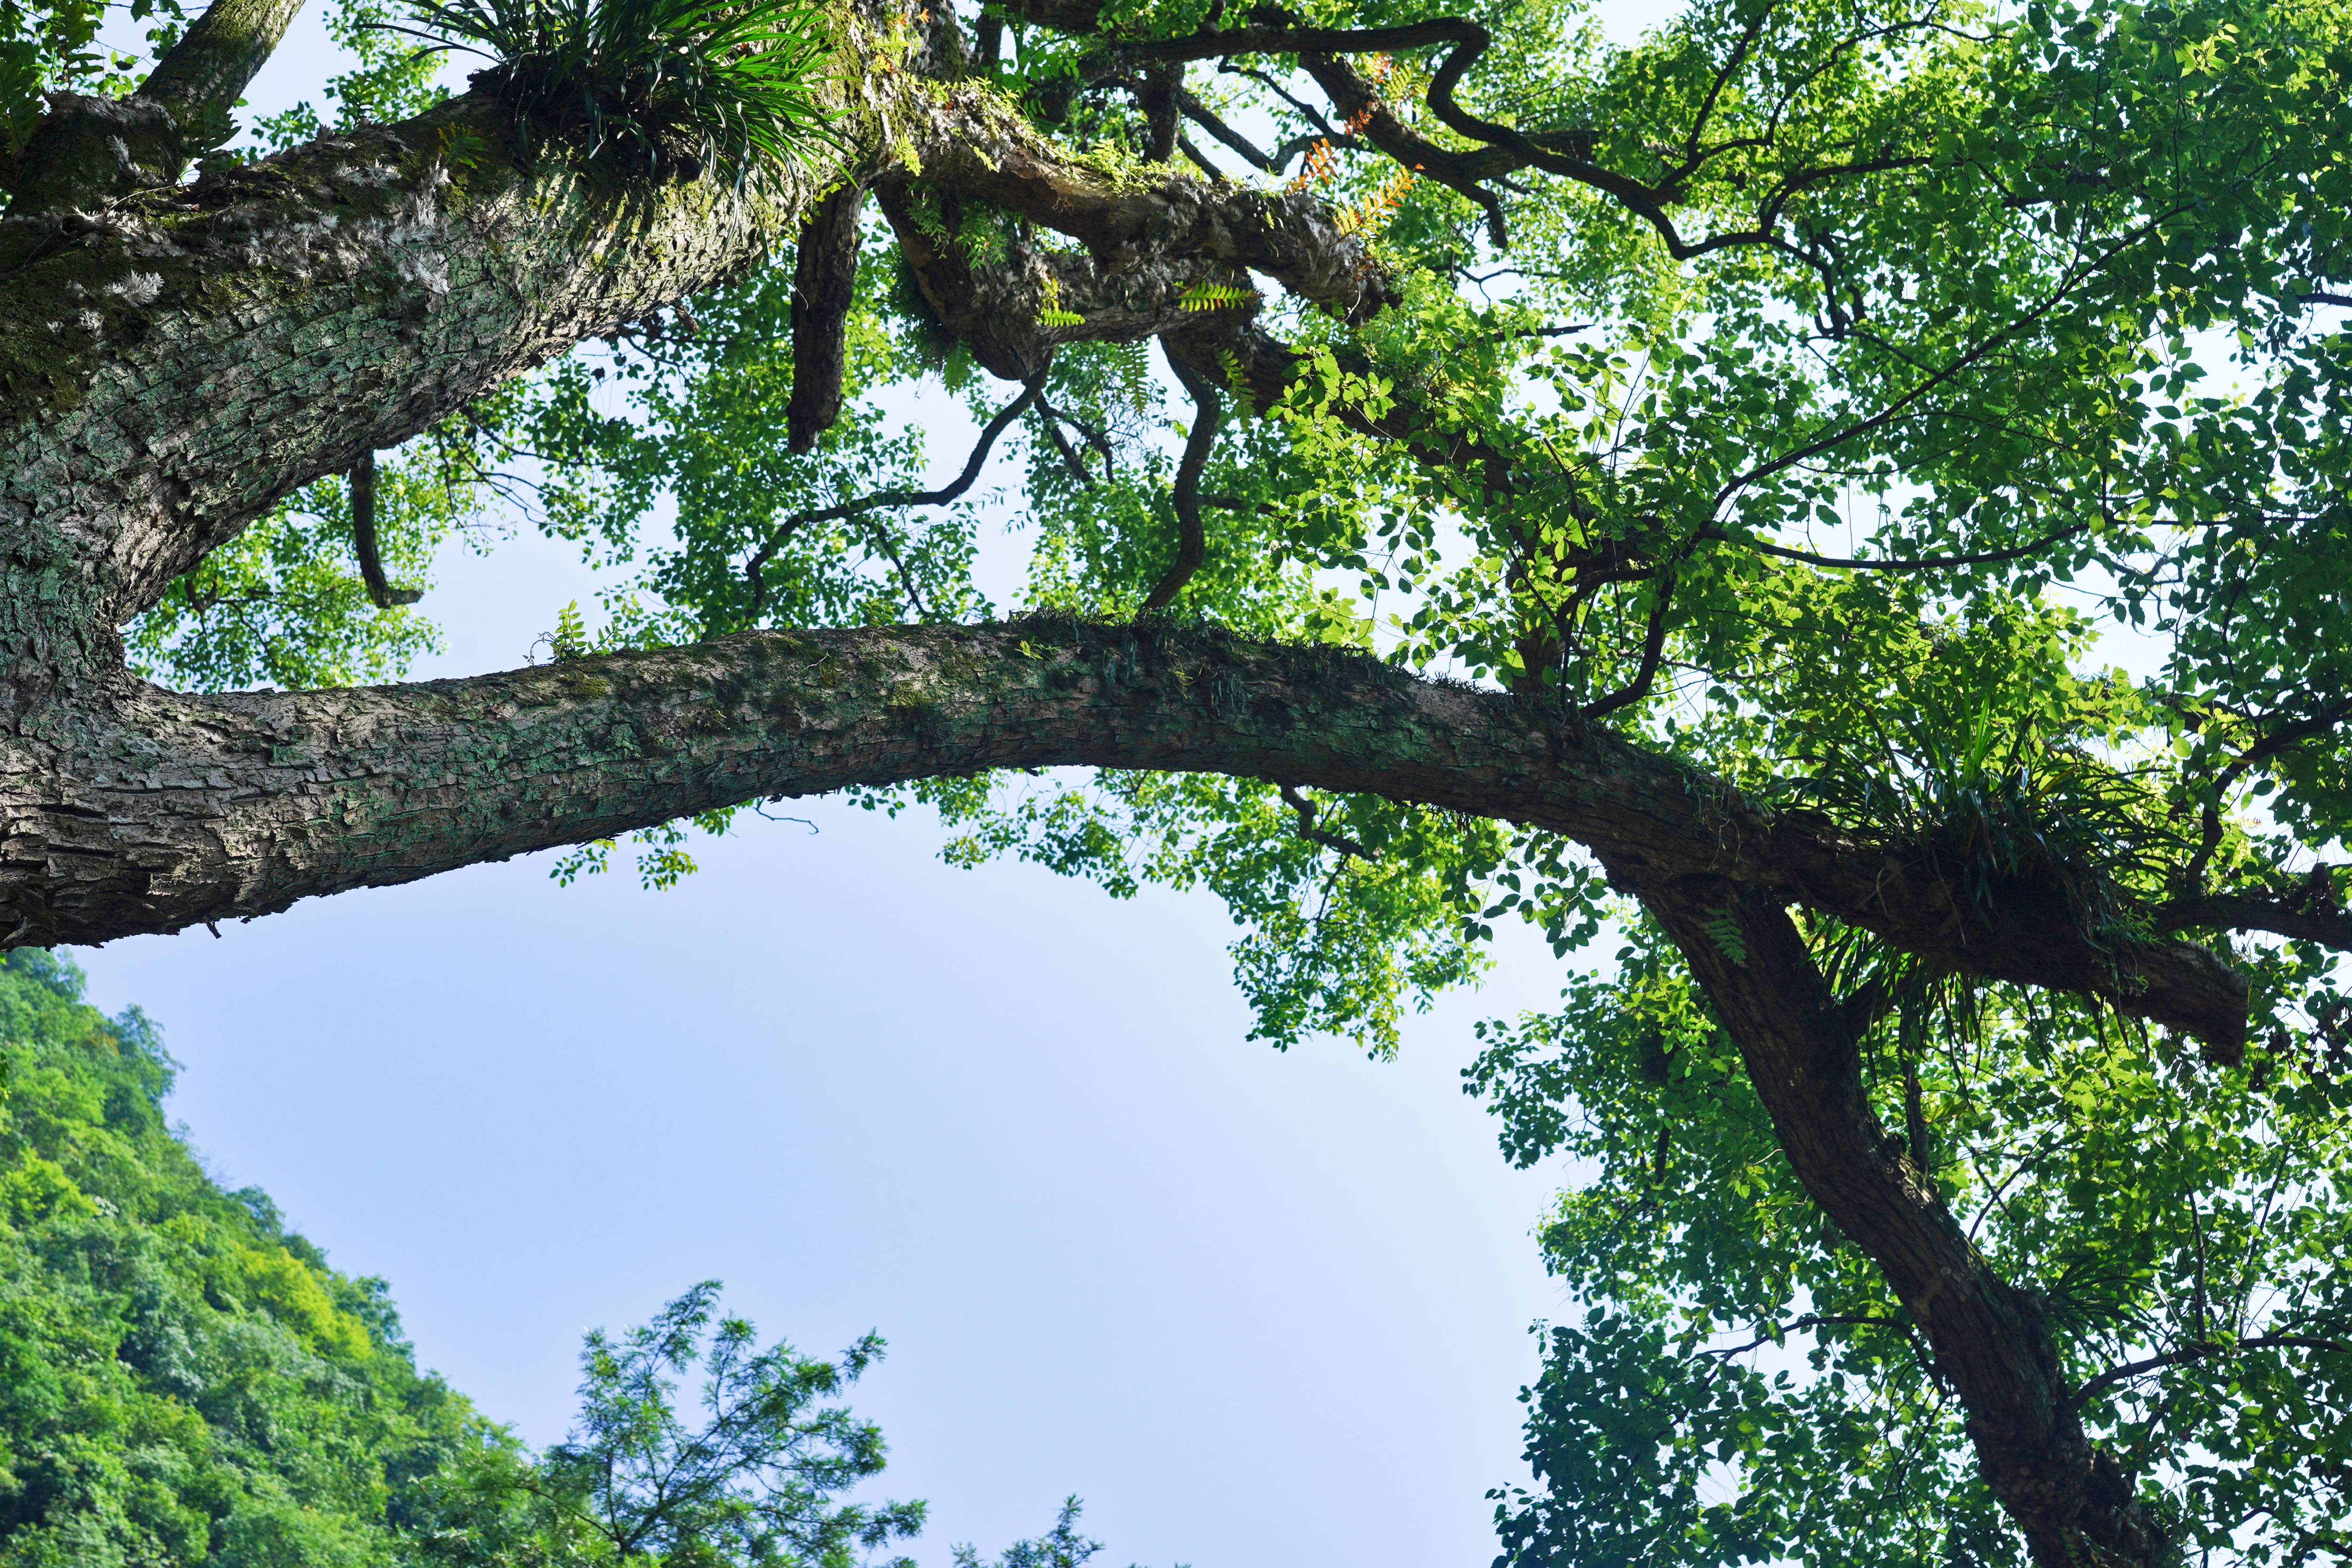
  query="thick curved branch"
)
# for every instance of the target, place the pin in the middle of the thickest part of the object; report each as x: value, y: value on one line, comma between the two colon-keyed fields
x: 1555, y: 153
x: 971, y: 148
x: 181, y: 809
x: 1654, y: 650
x: 1359, y: 104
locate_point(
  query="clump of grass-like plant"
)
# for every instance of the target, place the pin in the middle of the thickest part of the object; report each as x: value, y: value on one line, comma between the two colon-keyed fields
x: 1984, y: 810
x: 676, y: 82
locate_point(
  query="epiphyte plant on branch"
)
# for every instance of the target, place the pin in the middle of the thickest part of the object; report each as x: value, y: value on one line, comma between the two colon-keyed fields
x: 738, y: 84
x: 1684, y: 508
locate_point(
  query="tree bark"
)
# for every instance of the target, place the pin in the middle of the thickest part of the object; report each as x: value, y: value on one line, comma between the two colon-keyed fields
x: 152, y: 811
x: 825, y: 284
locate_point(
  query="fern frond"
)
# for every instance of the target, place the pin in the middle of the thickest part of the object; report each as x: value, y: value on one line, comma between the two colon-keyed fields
x: 1207, y: 296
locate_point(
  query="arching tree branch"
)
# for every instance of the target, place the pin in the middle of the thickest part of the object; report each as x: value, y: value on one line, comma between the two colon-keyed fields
x: 602, y: 746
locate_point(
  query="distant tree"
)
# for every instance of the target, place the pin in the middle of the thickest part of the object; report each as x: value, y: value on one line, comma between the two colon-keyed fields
x: 1060, y: 1547
x: 754, y: 1481
x: 1673, y: 496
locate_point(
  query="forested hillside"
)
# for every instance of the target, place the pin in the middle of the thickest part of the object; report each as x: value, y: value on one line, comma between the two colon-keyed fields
x: 182, y: 1379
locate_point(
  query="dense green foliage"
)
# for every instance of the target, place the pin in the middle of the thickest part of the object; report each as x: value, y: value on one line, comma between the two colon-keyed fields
x: 1945, y: 335
x: 182, y: 1379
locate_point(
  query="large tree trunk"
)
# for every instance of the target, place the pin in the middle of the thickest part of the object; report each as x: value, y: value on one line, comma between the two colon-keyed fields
x: 1991, y: 1343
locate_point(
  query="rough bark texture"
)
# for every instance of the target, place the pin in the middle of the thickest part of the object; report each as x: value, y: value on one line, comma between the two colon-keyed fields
x: 824, y: 284
x: 174, y: 367
x: 129, y: 825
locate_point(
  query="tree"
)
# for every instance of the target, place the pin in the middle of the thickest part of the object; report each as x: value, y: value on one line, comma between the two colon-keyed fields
x: 753, y: 1483
x: 1737, y: 437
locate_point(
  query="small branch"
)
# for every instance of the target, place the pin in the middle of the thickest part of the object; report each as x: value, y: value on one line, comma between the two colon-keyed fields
x: 1208, y: 119
x: 1810, y: 1320
x: 1951, y: 370
x: 1653, y: 648
x: 1192, y: 540
x: 2282, y: 739
x: 1063, y: 449
x: 379, y: 592
x: 1096, y: 436
x: 2307, y: 918
x: 1917, y: 563
x: 1324, y: 129
x: 1307, y: 811
x: 2203, y: 1350
x: 755, y: 570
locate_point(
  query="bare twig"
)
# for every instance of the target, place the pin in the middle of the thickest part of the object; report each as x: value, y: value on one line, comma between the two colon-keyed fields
x: 755, y: 569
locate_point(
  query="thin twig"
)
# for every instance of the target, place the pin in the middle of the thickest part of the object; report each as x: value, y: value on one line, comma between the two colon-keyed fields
x: 755, y: 570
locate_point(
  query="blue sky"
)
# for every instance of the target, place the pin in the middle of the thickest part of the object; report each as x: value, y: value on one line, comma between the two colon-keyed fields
x: 1253, y: 1308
